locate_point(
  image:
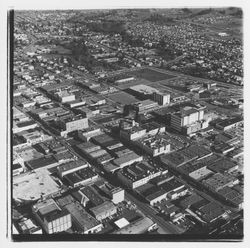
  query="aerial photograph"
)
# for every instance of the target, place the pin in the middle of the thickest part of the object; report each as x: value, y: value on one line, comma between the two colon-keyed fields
x: 126, y: 124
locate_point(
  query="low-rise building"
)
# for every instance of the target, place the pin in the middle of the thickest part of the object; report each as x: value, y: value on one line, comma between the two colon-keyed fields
x: 229, y: 123
x: 87, y: 134
x: 140, y: 226
x: 104, y: 210
x: 211, y: 212
x: 223, y: 165
x: 219, y: 181
x: 232, y: 196
x: 138, y: 174
x: 81, y: 177
x: 17, y: 169
x: 124, y: 80
x: 23, y: 126
x: 27, y: 226
x: 127, y: 159
x: 71, y: 167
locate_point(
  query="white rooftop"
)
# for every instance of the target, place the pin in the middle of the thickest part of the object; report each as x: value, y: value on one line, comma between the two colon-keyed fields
x: 122, y: 222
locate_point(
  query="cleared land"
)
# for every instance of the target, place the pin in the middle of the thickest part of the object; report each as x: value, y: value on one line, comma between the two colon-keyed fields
x: 123, y: 98
x: 151, y: 75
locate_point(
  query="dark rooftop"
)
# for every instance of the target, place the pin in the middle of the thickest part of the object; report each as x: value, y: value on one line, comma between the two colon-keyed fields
x: 41, y: 162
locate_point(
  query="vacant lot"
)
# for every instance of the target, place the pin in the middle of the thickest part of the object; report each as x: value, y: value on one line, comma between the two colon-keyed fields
x: 151, y: 75
x: 123, y: 98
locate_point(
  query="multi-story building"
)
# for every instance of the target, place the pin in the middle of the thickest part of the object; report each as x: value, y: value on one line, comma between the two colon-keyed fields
x: 130, y: 130
x: 189, y: 119
x: 145, y: 105
x: 67, y: 125
x: 161, y: 98
x: 154, y: 145
x: 52, y: 218
x: 65, y: 96
x: 83, y: 222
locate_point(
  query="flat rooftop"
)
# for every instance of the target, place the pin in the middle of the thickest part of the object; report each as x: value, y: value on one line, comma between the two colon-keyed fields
x: 71, y: 165
x: 41, y: 162
x: 218, y: 181
x: 126, y: 158
x: 140, y: 226
x: 103, y: 208
x: 138, y: 171
x: 28, y: 153
x: 222, y: 165
x: 231, y: 121
x: 144, y: 89
x: 80, y: 175
x: 30, y: 186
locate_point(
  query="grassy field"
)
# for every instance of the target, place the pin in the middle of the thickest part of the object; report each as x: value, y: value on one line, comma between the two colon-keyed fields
x: 151, y: 75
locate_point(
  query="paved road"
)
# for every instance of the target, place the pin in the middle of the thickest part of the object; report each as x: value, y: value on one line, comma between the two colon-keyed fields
x: 148, y: 211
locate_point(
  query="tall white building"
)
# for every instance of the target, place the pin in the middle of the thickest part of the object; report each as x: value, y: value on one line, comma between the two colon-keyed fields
x: 161, y: 98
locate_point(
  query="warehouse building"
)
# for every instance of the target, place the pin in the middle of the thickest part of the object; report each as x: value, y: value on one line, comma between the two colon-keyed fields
x: 127, y: 159
x: 211, y: 212
x: 232, y: 196
x: 104, y: 210
x: 223, y: 165
x: 229, y: 123
x: 140, y: 226
x: 71, y: 167
x: 87, y: 134
x: 188, y: 201
x: 219, y: 181
x: 138, y: 174
x: 81, y: 177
